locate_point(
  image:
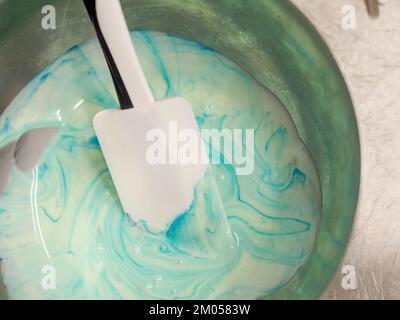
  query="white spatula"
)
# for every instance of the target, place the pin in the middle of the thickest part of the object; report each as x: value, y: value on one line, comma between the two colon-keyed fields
x: 151, y: 192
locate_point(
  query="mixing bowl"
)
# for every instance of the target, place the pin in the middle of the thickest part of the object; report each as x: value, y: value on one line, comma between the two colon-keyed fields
x: 270, y: 39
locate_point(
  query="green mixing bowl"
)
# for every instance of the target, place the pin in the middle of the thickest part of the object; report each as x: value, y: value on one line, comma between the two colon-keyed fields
x: 273, y: 41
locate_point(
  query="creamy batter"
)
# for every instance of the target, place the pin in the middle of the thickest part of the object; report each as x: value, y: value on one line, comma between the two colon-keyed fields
x: 64, y: 218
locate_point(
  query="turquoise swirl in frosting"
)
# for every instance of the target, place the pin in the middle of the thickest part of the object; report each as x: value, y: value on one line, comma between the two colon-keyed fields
x: 64, y: 214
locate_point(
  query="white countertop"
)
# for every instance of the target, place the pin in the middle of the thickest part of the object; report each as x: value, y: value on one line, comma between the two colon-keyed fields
x: 369, y: 57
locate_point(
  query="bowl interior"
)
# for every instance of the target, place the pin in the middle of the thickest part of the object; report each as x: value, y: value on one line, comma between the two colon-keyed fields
x: 271, y: 40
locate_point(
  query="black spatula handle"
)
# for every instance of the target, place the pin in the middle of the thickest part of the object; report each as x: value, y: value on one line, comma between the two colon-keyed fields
x: 122, y: 94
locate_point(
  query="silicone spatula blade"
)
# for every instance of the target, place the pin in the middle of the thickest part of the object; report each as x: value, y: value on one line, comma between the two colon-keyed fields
x: 139, y: 146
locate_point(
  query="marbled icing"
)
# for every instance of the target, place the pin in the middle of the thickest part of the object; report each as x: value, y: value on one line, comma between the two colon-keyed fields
x: 65, y: 212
